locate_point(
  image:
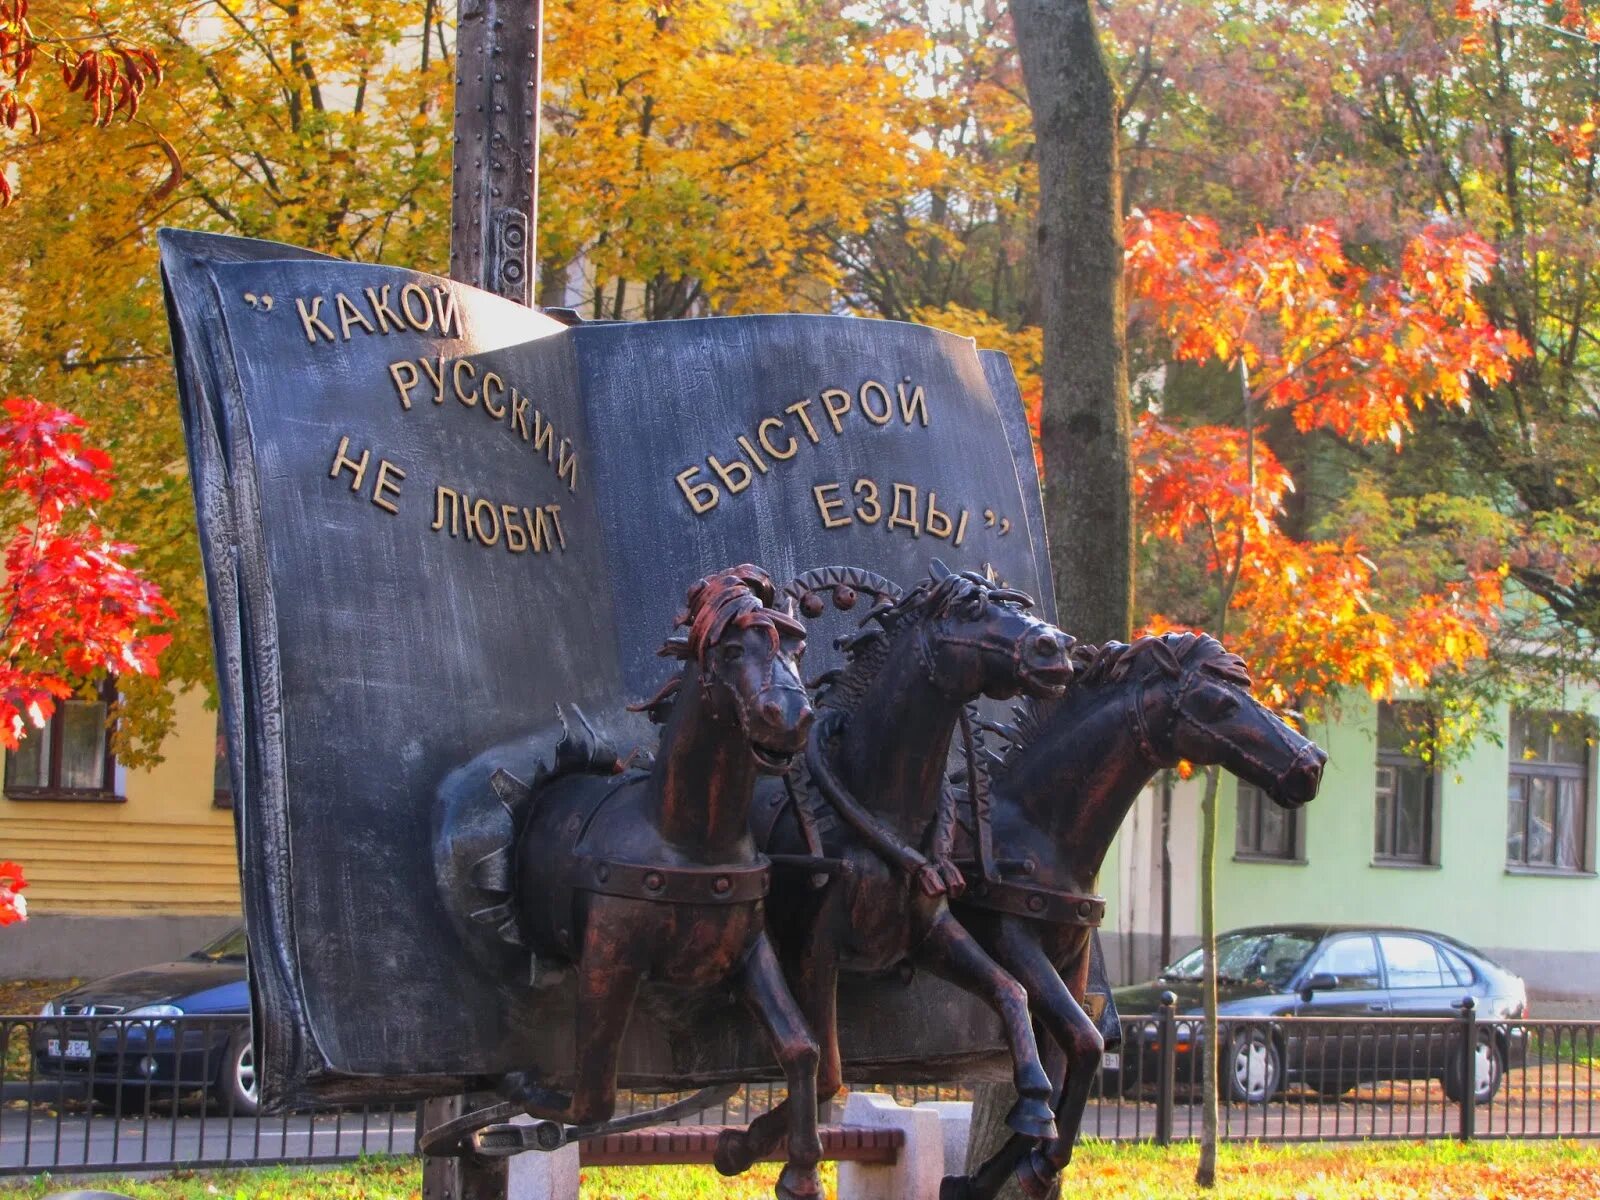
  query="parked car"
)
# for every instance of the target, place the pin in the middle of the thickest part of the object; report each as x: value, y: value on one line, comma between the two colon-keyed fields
x: 1296, y: 974
x: 122, y: 1034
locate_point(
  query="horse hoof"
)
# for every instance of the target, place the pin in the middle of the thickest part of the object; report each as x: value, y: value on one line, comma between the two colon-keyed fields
x: 732, y: 1156
x: 1034, y: 1176
x: 955, y: 1187
x: 799, y: 1183
x: 1032, y: 1118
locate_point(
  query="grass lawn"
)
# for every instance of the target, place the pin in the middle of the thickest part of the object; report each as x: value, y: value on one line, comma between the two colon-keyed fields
x: 1103, y: 1171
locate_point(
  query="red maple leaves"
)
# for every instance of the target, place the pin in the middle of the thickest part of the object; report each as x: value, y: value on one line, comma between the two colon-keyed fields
x: 1343, y: 348
x: 73, y: 606
x: 13, y: 907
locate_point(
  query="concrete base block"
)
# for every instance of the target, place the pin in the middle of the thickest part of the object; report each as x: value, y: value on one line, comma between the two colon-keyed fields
x: 955, y: 1124
x: 920, y: 1167
x: 537, y: 1176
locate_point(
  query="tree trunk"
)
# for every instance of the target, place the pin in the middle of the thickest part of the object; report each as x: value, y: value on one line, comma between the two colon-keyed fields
x: 1086, y: 424
x: 1206, y: 1172
x: 1085, y: 428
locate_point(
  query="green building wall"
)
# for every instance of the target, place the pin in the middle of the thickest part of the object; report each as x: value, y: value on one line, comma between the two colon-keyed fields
x: 1544, y: 925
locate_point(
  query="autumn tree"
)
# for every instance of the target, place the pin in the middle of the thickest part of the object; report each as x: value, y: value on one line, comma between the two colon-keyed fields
x: 73, y: 607
x: 1302, y: 330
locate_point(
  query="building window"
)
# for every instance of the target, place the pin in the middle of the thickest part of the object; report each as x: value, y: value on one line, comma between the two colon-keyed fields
x: 1266, y: 831
x: 221, y: 780
x: 1547, y: 811
x: 1404, y: 791
x: 70, y: 758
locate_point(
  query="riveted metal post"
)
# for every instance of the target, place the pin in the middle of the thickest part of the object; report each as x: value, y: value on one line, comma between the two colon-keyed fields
x: 494, y: 199
x: 1469, y: 1068
x: 495, y: 175
x: 1166, y: 1065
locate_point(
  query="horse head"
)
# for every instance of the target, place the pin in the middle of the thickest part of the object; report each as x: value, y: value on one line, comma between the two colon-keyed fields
x: 747, y: 653
x: 1197, y: 705
x: 977, y: 637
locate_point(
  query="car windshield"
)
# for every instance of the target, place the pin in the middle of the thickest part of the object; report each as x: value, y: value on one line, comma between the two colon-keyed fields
x: 229, y: 947
x: 1270, y: 958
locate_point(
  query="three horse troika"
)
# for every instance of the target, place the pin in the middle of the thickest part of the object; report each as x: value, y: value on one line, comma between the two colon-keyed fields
x: 781, y: 838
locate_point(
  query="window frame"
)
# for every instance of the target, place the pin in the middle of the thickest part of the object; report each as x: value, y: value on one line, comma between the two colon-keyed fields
x: 1253, y: 853
x: 1520, y: 768
x: 1398, y: 761
x: 106, y: 793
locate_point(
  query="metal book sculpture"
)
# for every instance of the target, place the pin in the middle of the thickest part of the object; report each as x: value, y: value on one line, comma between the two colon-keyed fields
x: 431, y: 517
x: 876, y: 765
x: 1070, y: 771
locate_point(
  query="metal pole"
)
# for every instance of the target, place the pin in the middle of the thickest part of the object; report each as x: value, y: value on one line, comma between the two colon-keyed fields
x: 1166, y: 1065
x: 1469, y: 1068
x: 495, y: 187
x: 494, y: 199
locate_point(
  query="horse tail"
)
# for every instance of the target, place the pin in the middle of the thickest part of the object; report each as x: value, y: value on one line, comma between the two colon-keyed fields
x: 480, y: 815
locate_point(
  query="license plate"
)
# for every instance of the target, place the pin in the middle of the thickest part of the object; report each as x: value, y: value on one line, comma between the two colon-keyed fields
x: 1111, y: 1061
x: 76, y: 1048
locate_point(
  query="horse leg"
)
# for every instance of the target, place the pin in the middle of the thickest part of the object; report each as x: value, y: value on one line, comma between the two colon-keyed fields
x: 767, y: 996
x: 950, y: 952
x: 608, y: 982
x: 1070, y: 1028
x: 816, y: 989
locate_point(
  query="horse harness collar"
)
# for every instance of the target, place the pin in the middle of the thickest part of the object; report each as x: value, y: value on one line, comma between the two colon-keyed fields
x: 1031, y: 900
x: 740, y: 883
x: 718, y: 883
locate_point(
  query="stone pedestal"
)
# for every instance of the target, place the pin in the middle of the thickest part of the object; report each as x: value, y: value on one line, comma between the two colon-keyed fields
x: 915, y: 1175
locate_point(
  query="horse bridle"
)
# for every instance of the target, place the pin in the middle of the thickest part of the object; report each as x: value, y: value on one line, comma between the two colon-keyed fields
x: 1146, y: 739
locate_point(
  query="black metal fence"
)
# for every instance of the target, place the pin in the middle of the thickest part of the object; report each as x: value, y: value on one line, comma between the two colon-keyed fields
x: 90, y: 1092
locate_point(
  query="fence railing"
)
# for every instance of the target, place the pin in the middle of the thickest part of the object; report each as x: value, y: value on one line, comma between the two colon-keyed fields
x: 90, y: 1092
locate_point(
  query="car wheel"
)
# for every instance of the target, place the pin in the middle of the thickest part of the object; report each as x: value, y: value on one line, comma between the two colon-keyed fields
x: 238, y: 1087
x: 1488, y: 1068
x: 1252, y: 1069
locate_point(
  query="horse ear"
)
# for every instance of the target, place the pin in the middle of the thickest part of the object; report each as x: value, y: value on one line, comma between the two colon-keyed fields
x: 675, y: 647
x: 992, y: 576
x: 938, y: 570
x: 758, y: 581
x: 1161, y: 651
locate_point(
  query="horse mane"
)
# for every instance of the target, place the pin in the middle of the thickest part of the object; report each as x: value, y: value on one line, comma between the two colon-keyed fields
x: 867, y: 652
x: 1113, y: 663
x: 742, y: 597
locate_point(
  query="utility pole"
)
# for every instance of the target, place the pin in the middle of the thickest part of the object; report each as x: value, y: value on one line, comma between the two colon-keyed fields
x: 494, y: 216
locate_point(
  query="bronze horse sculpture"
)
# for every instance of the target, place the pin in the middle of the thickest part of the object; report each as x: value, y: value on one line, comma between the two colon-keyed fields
x: 1058, y: 794
x: 875, y: 804
x: 654, y: 874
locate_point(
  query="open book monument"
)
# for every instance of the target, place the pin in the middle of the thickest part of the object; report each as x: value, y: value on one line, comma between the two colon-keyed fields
x: 431, y: 519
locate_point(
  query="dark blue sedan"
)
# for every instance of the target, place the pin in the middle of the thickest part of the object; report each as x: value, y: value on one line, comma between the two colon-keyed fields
x: 157, y: 1032
x: 1330, y: 1007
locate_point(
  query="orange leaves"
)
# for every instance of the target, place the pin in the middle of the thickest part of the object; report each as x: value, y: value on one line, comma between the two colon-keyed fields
x: 1310, y: 617
x: 13, y: 907
x: 73, y: 606
x: 1343, y: 348
x: 111, y: 81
